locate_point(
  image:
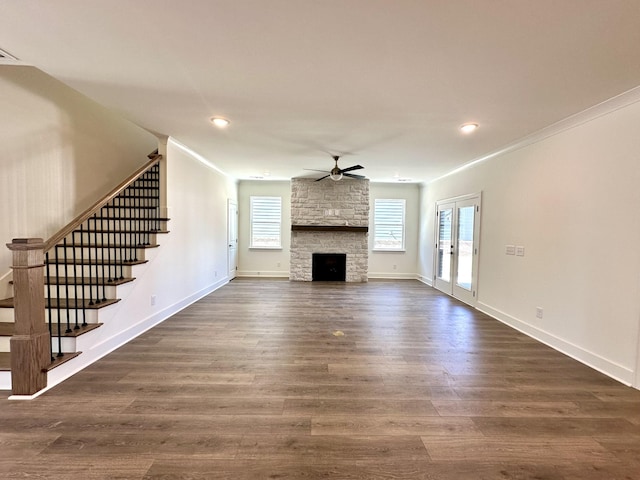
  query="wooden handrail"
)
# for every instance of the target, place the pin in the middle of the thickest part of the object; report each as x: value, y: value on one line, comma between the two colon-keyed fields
x: 75, y: 223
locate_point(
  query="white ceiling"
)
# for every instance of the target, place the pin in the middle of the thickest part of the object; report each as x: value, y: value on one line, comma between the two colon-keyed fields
x: 386, y: 81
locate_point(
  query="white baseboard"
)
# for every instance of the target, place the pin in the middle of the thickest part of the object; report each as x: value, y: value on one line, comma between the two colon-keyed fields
x: 593, y: 360
x: 73, y: 366
x: 396, y: 276
x: 263, y: 273
x: 425, y: 280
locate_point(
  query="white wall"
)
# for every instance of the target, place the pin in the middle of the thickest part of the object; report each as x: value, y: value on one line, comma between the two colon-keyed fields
x: 59, y: 153
x: 572, y: 201
x: 263, y: 262
x: 396, y: 264
x: 381, y: 264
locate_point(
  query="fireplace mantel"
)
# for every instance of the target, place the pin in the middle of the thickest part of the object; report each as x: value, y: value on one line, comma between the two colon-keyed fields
x: 328, y: 228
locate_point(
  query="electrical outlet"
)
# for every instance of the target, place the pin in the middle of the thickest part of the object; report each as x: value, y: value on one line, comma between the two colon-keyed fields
x: 278, y: 264
x: 510, y: 249
x: 520, y: 251
x: 215, y: 274
x: 395, y: 267
x: 152, y: 301
x: 539, y: 312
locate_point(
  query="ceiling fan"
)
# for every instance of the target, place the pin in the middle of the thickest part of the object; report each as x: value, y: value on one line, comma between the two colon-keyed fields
x: 336, y: 172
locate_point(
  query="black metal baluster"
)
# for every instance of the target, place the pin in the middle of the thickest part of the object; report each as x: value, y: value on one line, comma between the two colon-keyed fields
x: 75, y: 279
x: 89, y: 260
x: 123, y: 248
x: 66, y: 284
x: 46, y: 261
x: 109, y: 267
x: 132, y: 227
x: 80, y: 280
x: 137, y: 199
x: 147, y: 212
x: 103, y: 276
x: 96, y: 247
x: 58, y: 301
x: 157, y: 196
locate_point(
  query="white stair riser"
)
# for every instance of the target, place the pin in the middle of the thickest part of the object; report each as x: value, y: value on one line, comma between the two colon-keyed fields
x: 129, y: 223
x: 116, y: 238
x: 77, y: 291
x: 90, y: 316
x: 88, y: 271
x: 68, y: 344
x: 98, y: 253
x: 6, y: 315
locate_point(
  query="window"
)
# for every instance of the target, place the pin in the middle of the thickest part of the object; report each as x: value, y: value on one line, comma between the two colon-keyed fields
x: 388, y: 224
x: 266, y: 220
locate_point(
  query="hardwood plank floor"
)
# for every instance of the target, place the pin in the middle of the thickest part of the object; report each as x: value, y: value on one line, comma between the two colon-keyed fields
x: 251, y: 383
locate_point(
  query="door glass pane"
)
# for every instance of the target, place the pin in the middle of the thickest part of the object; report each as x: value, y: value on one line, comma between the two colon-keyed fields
x: 444, y: 244
x: 465, y: 247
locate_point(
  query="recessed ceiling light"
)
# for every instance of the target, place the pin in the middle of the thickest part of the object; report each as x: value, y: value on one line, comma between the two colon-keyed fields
x: 220, y: 122
x: 468, y: 127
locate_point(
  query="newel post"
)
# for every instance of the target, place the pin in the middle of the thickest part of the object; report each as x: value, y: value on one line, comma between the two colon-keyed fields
x: 30, y: 344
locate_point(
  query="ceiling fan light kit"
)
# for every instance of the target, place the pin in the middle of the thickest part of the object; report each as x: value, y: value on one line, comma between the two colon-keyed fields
x: 337, y: 173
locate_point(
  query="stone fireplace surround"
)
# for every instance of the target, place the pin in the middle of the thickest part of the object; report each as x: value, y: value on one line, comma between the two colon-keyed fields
x: 329, y: 217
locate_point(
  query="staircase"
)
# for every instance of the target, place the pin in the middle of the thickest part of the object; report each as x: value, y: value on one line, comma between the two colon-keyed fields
x: 86, y: 264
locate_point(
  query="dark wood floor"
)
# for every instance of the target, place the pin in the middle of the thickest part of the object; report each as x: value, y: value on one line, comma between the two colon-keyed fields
x: 255, y: 382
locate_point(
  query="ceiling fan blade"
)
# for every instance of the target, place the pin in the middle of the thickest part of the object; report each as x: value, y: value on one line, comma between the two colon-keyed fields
x: 322, y: 178
x: 353, y: 176
x: 348, y: 169
x: 314, y: 170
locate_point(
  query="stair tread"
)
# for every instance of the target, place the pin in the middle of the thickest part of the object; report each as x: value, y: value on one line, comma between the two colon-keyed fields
x: 111, y: 245
x: 7, y: 329
x: 76, y: 303
x: 5, y: 361
x: 60, y: 360
x: 132, y: 207
x: 75, y: 332
x: 71, y: 303
x: 143, y: 219
x: 139, y: 196
x: 123, y: 231
x: 86, y: 261
x: 87, y: 281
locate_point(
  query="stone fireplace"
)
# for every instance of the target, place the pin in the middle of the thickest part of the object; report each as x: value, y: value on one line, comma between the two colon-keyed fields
x: 329, y: 217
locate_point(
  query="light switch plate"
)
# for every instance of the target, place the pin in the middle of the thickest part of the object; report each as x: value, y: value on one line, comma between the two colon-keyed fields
x: 520, y: 251
x: 510, y: 250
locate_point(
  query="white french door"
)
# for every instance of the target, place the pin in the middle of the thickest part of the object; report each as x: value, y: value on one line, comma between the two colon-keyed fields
x: 457, y: 247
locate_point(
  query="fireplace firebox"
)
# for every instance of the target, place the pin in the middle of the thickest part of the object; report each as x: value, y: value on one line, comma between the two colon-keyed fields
x: 329, y: 267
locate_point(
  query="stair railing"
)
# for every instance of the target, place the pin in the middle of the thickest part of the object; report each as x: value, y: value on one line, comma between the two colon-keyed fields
x: 111, y: 231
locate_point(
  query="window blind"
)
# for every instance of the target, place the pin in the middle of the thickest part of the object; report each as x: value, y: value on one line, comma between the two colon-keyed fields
x: 266, y: 222
x: 388, y: 223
